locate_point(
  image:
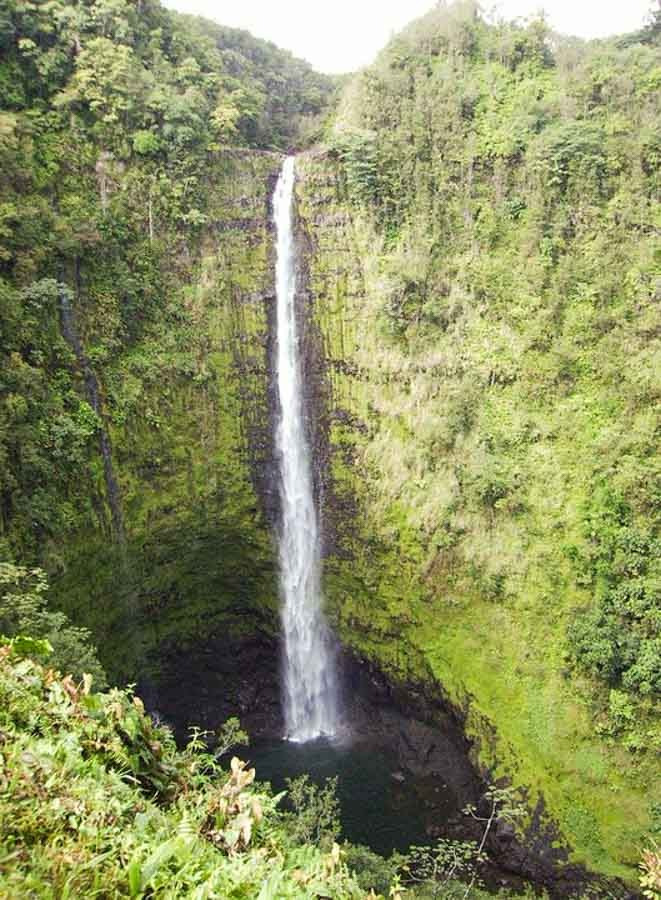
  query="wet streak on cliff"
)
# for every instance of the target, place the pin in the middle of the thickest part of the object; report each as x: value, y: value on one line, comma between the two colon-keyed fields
x: 257, y: 381
x: 338, y: 506
x: 259, y: 401
x: 72, y: 337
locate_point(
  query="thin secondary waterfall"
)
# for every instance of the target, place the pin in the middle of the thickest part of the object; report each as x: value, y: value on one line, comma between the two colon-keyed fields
x: 309, y: 676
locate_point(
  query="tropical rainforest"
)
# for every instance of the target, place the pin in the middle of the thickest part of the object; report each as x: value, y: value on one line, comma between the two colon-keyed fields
x: 477, y: 223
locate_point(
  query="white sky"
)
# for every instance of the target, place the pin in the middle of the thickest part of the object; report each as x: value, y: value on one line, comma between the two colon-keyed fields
x: 342, y: 35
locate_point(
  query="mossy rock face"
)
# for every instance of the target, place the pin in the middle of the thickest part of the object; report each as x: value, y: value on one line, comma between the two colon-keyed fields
x: 437, y: 577
x: 188, y: 417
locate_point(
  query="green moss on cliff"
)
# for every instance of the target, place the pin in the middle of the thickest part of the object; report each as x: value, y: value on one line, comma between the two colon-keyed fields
x: 135, y: 276
x: 487, y: 326
x: 184, y: 405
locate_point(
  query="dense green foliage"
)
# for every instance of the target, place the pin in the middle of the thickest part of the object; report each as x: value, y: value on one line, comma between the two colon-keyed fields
x: 95, y: 800
x: 133, y: 239
x: 24, y: 613
x: 512, y: 176
x: 486, y: 280
x: 619, y: 638
x: 112, y: 114
x: 487, y: 288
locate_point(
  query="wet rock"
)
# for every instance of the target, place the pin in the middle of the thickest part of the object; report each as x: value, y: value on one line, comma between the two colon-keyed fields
x: 228, y: 676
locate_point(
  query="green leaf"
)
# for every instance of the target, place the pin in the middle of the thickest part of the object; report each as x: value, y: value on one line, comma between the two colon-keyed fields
x: 22, y: 645
x: 135, y: 877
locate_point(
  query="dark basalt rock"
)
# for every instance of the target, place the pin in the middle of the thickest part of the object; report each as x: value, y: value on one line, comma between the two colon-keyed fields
x: 204, y: 685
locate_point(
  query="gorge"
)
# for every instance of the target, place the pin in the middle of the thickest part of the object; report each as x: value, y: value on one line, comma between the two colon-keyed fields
x: 475, y: 327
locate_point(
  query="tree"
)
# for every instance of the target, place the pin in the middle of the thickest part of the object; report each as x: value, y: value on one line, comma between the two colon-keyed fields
x: 24, y: 612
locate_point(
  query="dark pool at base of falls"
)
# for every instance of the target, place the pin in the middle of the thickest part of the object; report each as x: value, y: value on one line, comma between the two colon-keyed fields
x: 380, y: 806
x: 403, y: 779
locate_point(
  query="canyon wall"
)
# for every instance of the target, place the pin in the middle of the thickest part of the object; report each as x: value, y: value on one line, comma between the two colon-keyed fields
x: 471, y: 600
x: 445, y: 573
x: 187, y: 413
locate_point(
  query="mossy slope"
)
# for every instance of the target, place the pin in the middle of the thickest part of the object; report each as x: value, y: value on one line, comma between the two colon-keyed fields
x: 189, y: 425
x: 450, y: 570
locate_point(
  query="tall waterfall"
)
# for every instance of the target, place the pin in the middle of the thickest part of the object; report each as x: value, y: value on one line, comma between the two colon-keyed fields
x: 309, y: 667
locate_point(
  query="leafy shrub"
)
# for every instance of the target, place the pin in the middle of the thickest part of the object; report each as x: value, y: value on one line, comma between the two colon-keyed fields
x: 439, y: 865
x: 95, y: 799
x: 569, y: 149
x: 315, y: 816
x: 358, y: 151
x: 24, y: 611
x: 146, y: 143
x: 617, y: 640
x: 373, y: 872
x: 650, y: 872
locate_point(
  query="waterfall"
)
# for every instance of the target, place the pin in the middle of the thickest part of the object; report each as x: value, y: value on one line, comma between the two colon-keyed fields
x: 309, y: 667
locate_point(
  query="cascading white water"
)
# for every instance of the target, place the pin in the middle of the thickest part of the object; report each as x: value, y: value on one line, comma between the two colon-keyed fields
x: 309, y: 667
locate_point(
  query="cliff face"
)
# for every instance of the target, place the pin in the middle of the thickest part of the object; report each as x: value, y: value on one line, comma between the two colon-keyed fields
x: 472, y: 602
x: 459, y: 605
x: 135, y: 288
x: 187, y: 415
x: 481, y: 258
x: 185, y: 598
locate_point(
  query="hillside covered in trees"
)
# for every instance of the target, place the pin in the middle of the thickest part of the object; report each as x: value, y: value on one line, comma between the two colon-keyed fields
x: 498, y: 359
x: 112, y: 115
x: 477, y: 218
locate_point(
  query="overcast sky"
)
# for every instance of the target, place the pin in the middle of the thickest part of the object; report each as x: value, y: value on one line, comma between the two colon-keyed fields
x: 342, y: 35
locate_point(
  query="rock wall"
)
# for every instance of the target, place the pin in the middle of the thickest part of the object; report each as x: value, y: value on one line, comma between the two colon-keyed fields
x: 421, y: 608
x: 189, y: 418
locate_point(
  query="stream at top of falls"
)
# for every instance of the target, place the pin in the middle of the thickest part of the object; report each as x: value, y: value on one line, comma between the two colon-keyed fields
x: 309, y: 689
